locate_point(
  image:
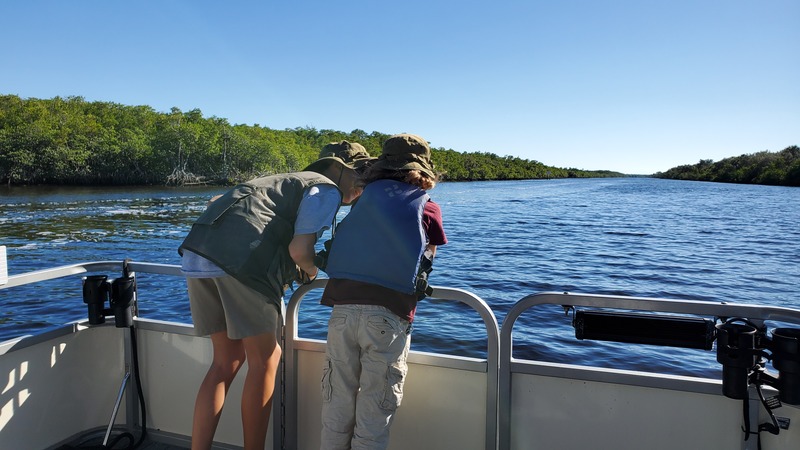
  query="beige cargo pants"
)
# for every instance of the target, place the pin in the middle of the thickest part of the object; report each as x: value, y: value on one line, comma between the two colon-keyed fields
x: 362, y: 381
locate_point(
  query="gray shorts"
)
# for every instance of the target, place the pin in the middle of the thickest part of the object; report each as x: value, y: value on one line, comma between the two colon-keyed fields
x: 225, y: 304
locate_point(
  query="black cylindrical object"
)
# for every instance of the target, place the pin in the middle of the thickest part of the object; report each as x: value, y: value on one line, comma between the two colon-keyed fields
x: 652, y: 329
x: 123, y: 293
x: 735, y: 343
x: 95, y: 294
x: 786, y: 360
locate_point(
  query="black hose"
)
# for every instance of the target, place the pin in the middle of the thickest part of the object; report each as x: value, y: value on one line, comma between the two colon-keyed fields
x: 135, y: 355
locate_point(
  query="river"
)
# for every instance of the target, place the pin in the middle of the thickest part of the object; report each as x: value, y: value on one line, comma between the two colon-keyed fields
x: 508, y: 239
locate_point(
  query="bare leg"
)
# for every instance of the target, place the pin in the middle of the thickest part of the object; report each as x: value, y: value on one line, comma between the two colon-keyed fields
x: 263, y: 357
x: 229, y: 355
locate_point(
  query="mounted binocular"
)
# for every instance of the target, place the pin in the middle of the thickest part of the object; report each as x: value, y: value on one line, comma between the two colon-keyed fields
x: 120, y: 293
x: 743, y: 348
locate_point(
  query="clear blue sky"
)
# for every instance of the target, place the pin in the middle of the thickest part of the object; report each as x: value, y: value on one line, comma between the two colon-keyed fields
x: 634, y: 86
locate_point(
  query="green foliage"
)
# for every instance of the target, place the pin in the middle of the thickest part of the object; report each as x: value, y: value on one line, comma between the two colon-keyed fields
x: 72, y: 141
x: 778, y: 169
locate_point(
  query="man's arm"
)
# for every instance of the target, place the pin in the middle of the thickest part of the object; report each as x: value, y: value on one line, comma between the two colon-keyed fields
x: 301, y: 249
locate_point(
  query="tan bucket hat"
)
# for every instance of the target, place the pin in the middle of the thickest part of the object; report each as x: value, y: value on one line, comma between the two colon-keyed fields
x: 406, y: 152
x: 349, y: 154
x: 347, y: 151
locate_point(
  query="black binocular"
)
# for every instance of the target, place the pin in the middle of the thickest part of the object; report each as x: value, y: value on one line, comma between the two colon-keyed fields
x: 120, y: 294
x: 742, y: 349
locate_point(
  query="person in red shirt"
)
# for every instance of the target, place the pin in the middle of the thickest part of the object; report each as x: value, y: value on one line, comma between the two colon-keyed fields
x: 378, y: 263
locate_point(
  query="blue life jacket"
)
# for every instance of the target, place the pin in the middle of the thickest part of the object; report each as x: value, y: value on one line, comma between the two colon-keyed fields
x: 381, y: 240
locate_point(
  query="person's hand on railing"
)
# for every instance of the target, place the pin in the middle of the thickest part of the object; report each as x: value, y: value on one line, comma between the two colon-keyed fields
x: 304, y: 277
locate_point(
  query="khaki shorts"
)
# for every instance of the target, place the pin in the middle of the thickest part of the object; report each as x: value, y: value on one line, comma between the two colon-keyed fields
x: 225, y: 304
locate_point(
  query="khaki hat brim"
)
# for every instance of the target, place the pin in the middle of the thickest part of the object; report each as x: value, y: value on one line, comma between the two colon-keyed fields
x: 323, y: 163
x: 386, y: 165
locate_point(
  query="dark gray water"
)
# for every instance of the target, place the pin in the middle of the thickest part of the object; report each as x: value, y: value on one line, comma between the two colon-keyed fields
x: 629, y: 236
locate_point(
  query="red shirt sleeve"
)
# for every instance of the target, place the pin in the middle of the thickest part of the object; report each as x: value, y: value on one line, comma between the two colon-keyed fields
x: 432, y: 222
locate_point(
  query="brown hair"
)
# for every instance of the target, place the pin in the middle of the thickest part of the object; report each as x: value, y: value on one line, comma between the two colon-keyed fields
x: 413, y: 177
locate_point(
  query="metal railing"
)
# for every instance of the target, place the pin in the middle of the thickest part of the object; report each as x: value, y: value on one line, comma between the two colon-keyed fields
x: 509, y: 365
x: 476, y: 303
x: 291, y: 338
x: 88, y: 267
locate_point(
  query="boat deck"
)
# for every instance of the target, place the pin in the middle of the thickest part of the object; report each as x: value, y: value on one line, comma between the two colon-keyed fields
x: 149, y: 445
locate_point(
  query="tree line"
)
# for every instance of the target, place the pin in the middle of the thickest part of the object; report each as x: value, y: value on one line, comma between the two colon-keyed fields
x: 772, y: 168
x: 71, y: 141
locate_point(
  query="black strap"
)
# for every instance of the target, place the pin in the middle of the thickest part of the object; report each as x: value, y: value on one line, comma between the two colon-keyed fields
x: 425, y: 268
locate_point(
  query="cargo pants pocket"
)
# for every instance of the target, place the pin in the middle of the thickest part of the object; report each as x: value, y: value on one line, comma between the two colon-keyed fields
x: 393, y: 392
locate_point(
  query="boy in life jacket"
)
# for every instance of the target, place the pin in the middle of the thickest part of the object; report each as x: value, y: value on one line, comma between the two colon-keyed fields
x: 377, y: 264
x: 240, y: 255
